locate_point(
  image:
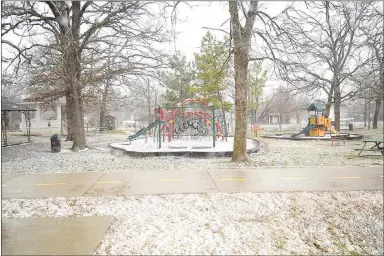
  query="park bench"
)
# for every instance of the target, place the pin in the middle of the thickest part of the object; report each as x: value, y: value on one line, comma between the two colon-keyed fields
x: 376, y: 147
x: 100, y: 129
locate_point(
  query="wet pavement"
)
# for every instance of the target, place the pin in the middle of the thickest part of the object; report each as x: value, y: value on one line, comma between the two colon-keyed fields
x: 182, y: 181
x: 297, y: 179
x: 152, y: 182
x: 53, y: 236
x: 49, y: 185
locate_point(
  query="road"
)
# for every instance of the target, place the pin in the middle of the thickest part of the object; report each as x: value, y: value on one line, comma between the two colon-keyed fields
x: 190, y: 181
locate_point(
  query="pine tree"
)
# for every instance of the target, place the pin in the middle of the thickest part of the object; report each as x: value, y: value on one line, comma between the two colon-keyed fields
x: 178, y: 81
x: 211, y: 70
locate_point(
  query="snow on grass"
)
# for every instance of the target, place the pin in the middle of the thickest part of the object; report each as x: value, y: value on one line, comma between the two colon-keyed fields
x: 37, y: 158
x: 289, y: 153
x: 226, y: 224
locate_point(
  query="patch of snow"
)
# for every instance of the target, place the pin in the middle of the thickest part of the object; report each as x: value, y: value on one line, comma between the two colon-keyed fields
x: 303, y: 223
x: 36, y: 157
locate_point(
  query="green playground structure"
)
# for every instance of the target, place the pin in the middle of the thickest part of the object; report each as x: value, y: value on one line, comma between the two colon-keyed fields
x: 306, y: 130
x: 142, y: 131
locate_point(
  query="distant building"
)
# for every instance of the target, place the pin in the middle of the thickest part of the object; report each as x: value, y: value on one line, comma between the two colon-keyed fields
x: 46, y: 120
x: 110, y: 122
x: 283, y: 119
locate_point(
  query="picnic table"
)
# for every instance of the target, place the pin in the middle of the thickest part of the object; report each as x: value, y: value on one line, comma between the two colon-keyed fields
x: 376, y: 147
x: 100, y: 129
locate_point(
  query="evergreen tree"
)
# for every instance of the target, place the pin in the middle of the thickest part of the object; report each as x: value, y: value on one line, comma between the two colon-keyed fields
x: 211, y: 70
x: 178, y: 81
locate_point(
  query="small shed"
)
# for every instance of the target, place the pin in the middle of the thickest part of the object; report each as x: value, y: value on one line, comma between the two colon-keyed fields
x: 110, y: 122
x: 8, y: 106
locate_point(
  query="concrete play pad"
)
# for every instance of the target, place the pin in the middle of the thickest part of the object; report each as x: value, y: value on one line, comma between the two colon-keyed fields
x: 51, y: 184
x: 190, y: 147
x: 53, y: 236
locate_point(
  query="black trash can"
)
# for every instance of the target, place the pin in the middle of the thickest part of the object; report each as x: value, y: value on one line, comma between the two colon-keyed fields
x: 350, y: 126
x: 55, y: 143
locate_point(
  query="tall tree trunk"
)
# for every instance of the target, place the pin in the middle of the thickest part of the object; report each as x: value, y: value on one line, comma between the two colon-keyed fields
x: 365, y: 112
x: 149, y: 110
x: 242, y: 40
x: 241, y: 89
x: 329, y: 102
x: 77, y: 120
x: 337, y: 102
x: 369, y: 114
x: 82, y: 111
x: 379, y: 98
x: 103, y: 107
x: 73, y: 60
x: 104, y: 100
x: 377, y: 112
x: 69, y: 116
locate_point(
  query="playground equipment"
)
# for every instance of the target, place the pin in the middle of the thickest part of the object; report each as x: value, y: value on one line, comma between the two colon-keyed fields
x: 193, y: 118
x: 318, y: 124
x: 142, y: 131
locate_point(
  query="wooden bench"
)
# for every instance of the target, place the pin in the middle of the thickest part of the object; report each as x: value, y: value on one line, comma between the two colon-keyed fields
x: 100, y: 129
x: 376, y: 147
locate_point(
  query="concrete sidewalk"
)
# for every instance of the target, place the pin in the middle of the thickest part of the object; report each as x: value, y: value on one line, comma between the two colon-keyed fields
x: 53, y: 236
x: 180, y: 181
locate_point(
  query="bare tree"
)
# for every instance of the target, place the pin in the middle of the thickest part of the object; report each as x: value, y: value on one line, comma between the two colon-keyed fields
x: 144, y: 93
x: 322, y: 48
x: 373, y: 30
x: 241, y: 35
x: 283, y: 103
x: 73, y: 31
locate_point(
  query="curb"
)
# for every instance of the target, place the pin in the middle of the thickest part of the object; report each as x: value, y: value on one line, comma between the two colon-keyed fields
x: 196, y: 154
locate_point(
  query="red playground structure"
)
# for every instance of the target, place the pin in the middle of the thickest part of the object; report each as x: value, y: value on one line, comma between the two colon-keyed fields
x: 193, y: 118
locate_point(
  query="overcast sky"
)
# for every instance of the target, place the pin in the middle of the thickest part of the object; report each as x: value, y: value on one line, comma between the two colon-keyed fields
x: 212, y: 15
x: 196, y: 15
x: 192, y: 17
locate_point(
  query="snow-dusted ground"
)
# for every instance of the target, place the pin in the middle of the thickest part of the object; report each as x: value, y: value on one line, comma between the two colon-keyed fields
x: 288, y: 153
x: 12, y: 139
x: 217, y: 223
x: 37, y: 158
x: 181, y: 145
x: 261, y: 223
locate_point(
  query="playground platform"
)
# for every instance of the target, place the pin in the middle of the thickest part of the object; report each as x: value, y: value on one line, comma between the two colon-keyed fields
x: 191, y: 147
